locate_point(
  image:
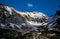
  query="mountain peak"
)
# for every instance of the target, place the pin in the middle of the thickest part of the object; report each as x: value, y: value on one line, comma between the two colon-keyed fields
x: 23, y: 22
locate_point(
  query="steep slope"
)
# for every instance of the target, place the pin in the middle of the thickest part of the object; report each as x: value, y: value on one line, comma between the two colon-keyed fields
x: 54, y: 22
x: 27, y: 25
x: 20, y: 21
x: 33, y: 17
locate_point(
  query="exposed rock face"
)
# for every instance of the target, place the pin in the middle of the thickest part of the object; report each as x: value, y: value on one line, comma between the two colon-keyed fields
x: 54, y: 25
x: 54, y: 22
x: 20, y: 23
x: 28, y: 25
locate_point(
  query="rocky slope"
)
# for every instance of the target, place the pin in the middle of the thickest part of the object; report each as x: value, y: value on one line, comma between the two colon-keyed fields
x: 54, y: 22
x: 27, y: 25
x: 23, y: 22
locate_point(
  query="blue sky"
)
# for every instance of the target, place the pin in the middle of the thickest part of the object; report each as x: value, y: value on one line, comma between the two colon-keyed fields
x: 48, y: 7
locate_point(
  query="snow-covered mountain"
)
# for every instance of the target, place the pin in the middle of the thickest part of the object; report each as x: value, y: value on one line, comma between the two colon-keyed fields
x: 20, y: 21
x: 24, y: 22
x: 54, y: 22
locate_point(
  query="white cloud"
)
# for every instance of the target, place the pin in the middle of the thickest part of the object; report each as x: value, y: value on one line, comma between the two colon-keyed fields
x: 30, y: 5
